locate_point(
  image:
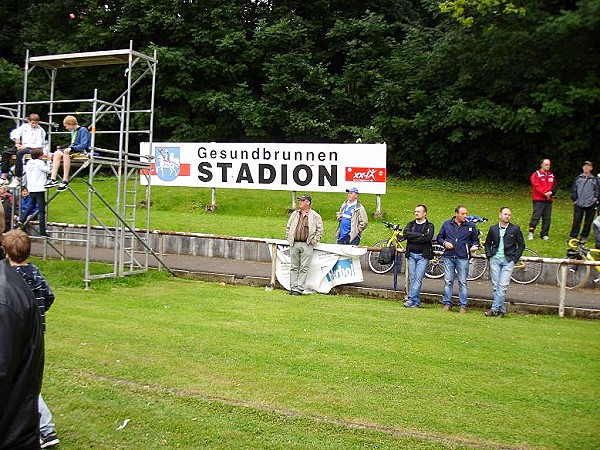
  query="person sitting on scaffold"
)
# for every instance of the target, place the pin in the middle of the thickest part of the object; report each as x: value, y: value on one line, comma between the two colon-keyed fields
x: 27, y: 136
x: 81, y: 139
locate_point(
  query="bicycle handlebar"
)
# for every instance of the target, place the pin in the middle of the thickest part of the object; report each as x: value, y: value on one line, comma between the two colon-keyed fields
x: 394, y: 226
x: 476, y: 219
x: 576, y: 244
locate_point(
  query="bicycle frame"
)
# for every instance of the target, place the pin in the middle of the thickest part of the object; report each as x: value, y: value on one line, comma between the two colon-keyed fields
x: 395, y: 239
x: 577, y: 275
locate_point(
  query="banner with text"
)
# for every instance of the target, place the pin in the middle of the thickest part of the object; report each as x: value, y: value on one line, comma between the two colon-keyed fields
x: 279, y: 167
x: 331, y: 265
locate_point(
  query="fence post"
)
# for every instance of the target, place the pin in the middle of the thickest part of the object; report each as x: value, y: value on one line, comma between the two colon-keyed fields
x: 273, y: 267
x: 562, y: 290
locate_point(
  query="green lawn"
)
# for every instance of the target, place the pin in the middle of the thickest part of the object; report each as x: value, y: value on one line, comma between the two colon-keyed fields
x: 263, y: 214
x: 204, y: 365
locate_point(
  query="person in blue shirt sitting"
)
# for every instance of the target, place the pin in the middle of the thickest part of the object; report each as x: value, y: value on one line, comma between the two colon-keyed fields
x: 25, y: 202
x: 81, y: 139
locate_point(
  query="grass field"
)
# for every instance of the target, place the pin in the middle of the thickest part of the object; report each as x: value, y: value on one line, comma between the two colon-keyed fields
x: 263, y: 214
x: 204, y: 365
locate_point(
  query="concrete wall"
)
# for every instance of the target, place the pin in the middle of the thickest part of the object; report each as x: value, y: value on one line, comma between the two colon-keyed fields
x: 239, y: 248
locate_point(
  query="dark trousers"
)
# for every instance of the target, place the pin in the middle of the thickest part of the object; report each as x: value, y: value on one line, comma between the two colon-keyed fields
x: 39, y: 199
x: 544, y: 210
x: 346, y: 240
x: 578, y: 214
x: 10, y: 152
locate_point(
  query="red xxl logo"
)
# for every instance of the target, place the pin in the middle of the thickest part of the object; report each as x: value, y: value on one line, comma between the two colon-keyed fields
x: 368, y: 174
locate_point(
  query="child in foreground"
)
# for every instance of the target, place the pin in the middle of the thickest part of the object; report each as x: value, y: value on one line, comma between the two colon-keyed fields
x: 17, y: 246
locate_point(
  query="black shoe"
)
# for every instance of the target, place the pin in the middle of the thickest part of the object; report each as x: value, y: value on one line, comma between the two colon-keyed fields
x: 62, y: 186
x: 491, y: 313
x: 49, y: 440
x: 296, y: 293
x: 51, y: 184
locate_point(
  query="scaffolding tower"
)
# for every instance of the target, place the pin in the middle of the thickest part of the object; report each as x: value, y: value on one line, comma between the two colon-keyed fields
x: 130, y: 235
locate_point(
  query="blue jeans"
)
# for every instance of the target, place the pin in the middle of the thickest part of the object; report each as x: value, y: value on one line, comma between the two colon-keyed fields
x: 417, y: 265
x: 500, y: 271
x: 37, y: 199
x: 46, y: 425
x: 462, y: 269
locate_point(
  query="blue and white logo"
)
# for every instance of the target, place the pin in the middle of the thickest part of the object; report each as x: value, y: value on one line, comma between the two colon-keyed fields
x: 344, y: 268
x: 166, y: 162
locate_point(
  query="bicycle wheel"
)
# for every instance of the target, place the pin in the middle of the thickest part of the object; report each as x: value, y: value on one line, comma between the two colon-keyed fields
x: 576, y: 276
x: 373, y: 258
x: 477, y: 266
x: 435, y: 269
x: 525, y: 272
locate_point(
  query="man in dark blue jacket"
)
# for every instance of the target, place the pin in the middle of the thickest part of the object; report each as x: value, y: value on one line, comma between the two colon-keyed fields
x: 504, y: 246
x: 459, y: 238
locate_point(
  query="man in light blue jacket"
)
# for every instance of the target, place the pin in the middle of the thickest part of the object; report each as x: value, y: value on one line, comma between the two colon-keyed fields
x: 584, y: 193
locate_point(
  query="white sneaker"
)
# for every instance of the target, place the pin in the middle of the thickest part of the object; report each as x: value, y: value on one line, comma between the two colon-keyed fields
x: 546, y: 238
x: 530, y: 236
x: 14, y: 183
x: 3, y: 181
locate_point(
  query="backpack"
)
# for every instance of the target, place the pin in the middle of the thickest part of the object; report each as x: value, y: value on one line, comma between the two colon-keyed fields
x: 387, y: 255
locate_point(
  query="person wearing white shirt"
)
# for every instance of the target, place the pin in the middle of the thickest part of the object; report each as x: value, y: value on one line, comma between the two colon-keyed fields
x: 37, y: 173
x: 25, y: 137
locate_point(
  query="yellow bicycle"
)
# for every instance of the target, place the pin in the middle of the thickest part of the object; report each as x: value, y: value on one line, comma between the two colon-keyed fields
x: 396, y: 239
x: 577, y: 275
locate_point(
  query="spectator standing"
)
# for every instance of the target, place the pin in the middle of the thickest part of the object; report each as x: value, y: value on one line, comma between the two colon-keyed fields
x: 6, y: 199
x: 543, y: 184
x: 352, y: 219
x: 81, y: 139
x: 21, y: 362
x: 585, y: 193
x: 504, y: 246
x: 37, y: 171
x: 459, y: 238
x: 18, y: 248
x: 27, y: 136
x: 304, y: 229
x: 418, y: 234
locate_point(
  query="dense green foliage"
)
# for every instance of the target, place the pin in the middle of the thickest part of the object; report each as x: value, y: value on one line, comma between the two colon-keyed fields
x: 478, y: 87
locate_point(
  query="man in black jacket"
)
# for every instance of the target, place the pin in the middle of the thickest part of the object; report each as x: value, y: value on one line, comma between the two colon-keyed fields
x: 418, y: 234
x: 504, y: 246
x: 21, y: 362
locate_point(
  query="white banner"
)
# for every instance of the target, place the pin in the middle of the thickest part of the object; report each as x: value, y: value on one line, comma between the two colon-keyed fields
x: 279, y: 167
x: 331, y: 265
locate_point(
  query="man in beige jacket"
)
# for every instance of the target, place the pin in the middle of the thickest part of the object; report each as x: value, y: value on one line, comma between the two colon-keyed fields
x: 304, y: 229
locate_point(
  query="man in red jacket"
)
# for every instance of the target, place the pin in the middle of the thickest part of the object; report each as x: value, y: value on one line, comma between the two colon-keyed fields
x: 544, y: 186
